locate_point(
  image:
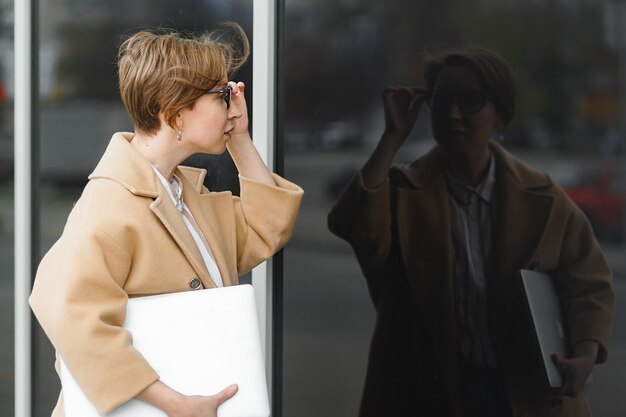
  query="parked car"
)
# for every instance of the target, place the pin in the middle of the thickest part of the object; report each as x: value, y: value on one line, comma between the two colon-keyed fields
x: 601, y: 195
x: 326, y: 137
x: 338, y: 134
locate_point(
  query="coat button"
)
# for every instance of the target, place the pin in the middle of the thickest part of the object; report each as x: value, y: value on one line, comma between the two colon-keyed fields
x: 195, y: 284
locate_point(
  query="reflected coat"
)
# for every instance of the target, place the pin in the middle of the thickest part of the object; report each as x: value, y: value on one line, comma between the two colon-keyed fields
x: 124, y: 238
x: 401, y: 235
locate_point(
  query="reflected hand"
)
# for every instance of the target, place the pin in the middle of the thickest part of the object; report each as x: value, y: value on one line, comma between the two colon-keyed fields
x: 402, y: 106
x: 576, y: 369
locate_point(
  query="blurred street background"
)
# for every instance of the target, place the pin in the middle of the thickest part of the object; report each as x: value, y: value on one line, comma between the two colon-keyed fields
x: 335, y: 58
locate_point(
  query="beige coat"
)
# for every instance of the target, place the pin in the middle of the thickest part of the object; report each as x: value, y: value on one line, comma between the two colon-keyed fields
x: 124, y: 238
x: 401, y: 235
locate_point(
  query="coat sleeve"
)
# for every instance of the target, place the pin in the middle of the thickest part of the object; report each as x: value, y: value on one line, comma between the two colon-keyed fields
x: 265, y: 217
x: 79, y: 301
x: 585, y: 285
x: 363, y: 218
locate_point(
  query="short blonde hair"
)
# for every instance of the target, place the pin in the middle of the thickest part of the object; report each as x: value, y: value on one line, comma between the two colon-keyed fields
x: 167, y: 72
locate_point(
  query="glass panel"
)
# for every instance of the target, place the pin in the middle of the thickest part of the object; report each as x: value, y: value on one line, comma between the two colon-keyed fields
x: 80, y: 109
x: 6, y: 209
x: 338, y: 58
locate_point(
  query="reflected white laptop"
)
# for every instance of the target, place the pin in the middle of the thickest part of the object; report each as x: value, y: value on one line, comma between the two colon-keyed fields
x: 547, y: 320
x: 199, y: 342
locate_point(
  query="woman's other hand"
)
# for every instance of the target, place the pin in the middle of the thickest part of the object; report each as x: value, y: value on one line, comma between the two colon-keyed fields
x: 200, y: 406
x: 402, y: 106
x: 175, y: 404
x: 576, y: 370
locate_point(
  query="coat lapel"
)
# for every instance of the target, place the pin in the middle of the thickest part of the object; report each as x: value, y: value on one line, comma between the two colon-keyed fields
x: 122, y: 164
x: 167, y: 213
x: 208, y: 224
x: 424, y: 236
x: 523, y: 213
x: 425, y: 240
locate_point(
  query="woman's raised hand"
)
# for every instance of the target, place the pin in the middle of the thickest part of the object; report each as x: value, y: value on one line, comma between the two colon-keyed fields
x: 238, y: 105
x: 402, y: 105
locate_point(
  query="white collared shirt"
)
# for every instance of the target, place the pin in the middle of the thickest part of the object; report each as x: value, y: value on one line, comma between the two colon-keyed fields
x: 182, y: 208
x: 472, y: 212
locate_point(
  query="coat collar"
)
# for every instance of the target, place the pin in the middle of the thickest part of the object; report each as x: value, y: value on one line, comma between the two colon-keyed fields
x: 525, y: 201
x: 123, y: 164
x: 424, y: 171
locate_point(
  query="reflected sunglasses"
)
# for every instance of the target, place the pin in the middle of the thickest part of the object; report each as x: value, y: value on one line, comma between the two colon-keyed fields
x: 227, y: 92
x: 469, y: 101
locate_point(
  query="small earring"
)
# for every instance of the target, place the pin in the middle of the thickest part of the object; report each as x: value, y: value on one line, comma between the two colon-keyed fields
x: 179, y: 135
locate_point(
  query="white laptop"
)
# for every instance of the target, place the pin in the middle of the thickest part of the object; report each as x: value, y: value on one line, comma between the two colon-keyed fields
x: 212, y: 340
x: 547, y: 320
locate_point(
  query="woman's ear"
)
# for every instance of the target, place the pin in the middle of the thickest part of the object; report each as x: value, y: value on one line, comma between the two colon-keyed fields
x: 173, y: 122
x: 179, y: 121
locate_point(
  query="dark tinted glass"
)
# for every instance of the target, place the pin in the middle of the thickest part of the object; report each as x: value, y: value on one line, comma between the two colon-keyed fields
x: 338, y: 56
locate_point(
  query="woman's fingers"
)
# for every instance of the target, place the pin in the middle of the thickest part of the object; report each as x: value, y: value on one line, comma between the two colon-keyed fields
x: 574, y: 371
x: 559, y: 362
x: 417, y: 101
x: 237, y: 87
x: 568, y: 382
x: 404, y: 97
x: 226, y: 394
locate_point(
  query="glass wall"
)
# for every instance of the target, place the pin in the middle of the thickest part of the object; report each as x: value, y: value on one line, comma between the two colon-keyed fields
x: 80, y: 109
x: 338, y: 57
x: 6, y: 209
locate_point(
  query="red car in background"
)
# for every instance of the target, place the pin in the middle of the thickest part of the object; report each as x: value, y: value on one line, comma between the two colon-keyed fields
x: 601, y: 194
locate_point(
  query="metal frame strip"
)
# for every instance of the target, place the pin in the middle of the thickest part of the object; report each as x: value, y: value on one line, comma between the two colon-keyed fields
x: 263, y: 133
x: 23, y: 203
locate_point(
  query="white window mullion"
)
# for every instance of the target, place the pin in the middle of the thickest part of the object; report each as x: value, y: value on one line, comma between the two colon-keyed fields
x: 263, y: 134
x: 23, y: 204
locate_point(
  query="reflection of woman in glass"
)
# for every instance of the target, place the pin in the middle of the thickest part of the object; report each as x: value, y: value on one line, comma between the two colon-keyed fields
x: 440, y: 240
x: 145, y: 225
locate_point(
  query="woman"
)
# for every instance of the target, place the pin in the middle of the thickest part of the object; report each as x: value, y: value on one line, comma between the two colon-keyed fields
x: 145, y: 225
x: 440, y: 241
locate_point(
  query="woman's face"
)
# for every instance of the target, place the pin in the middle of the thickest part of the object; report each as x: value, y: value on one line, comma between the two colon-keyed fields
x: 463, y: 117
x: 207, y: 127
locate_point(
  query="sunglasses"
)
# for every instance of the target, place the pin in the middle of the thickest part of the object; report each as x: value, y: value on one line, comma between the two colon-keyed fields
x: 469, y: 101
x: 227, y: 92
